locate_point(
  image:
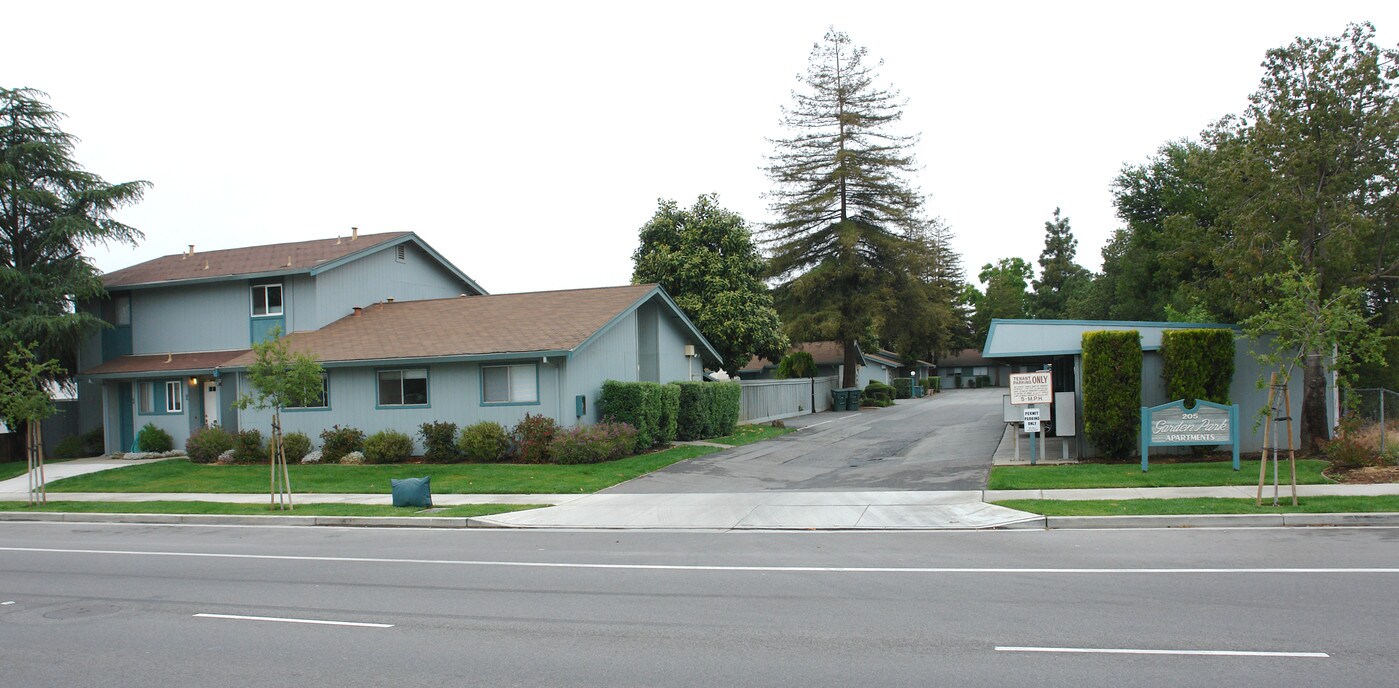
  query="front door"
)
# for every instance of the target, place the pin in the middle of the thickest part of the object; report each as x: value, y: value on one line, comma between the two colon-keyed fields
x: 211, y: 403
x: 127, y: 434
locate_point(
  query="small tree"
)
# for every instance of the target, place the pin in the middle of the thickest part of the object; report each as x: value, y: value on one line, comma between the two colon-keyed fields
x: 25, y: 402
x: 1299, y: 322
x: 281, y: 379
x: 1112, y: 390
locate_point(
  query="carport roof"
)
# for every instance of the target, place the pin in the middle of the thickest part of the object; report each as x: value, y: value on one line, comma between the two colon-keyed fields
x: 1020, y: 338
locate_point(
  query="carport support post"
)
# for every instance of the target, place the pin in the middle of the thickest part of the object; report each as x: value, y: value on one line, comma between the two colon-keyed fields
x: 1042, y: 442
x: 1146, y: 438
x: 1033, y: 453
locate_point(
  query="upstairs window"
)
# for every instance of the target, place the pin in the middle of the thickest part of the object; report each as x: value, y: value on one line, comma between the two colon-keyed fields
x: 267, y: 299
x: 513, y: 384
x: 407, y: 387
x: 123, y: 307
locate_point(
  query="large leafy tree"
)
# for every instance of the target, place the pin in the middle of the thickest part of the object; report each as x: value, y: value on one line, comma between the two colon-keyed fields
x: 1005, y: 297
x: 1061, y: 279
x: 50, y: 210
x: 844, y: 245
x: 705, y: 258
x: 1310, y: 173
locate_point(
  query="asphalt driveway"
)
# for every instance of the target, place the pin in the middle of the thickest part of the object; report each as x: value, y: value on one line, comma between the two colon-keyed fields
x: 943, y: 442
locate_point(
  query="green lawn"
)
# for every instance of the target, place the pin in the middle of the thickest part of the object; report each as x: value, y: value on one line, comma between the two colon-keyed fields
x: 182, y: 476
x: 466, y: 510
x: 1201, y: 505
x: 748, y: 434
x: 1192, y: 474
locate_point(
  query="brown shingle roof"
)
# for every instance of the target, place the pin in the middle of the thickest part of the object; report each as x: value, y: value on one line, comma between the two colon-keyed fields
x: 165, y: 363
x: 967, y: 357
x: 303, y: 255
x: 467, y: 325
x: 824, y: 353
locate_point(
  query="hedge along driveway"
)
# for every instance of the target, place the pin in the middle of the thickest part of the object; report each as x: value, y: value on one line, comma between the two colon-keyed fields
x: 182, y: 476
x: 1191, y: 474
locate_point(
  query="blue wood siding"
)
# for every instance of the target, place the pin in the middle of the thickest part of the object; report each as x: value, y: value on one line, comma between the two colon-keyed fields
x: 672, y: 337
x: 611, y: 356
x: 454, y: 394
x: 647, y: 343
x: 300, y: 292
x: 378, y: 277
x: 204, y: 317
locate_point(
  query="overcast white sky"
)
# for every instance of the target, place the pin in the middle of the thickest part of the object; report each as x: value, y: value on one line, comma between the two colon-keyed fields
x: 529, y: 141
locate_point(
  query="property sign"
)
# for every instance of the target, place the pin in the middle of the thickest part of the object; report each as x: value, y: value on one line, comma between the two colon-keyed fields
x: 1174, y: 425
x: 1031, y: 388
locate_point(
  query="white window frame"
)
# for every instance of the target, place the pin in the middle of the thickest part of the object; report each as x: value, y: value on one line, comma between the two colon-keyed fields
x: 264, y: 288
x: 510, y: 384
x: 174, y: 396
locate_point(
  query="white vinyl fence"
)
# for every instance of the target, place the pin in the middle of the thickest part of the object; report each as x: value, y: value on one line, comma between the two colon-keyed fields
x: 768, y: 400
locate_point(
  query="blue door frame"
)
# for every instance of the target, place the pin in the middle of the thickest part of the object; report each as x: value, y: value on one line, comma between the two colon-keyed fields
x: 127, y: 437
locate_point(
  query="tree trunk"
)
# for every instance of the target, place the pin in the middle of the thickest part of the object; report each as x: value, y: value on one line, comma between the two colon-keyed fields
x: 847, y: 379
x: 1315, y: 429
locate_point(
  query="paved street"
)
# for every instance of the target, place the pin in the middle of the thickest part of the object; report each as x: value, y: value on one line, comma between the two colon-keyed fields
x: 942, y: 442
x: 146, y: 606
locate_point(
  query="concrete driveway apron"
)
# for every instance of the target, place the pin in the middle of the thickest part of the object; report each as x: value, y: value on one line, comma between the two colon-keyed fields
x: 942, y: 442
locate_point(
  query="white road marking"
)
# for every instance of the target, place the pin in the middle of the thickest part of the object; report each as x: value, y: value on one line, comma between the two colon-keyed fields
x: 322, y: 622
x: 7, y: 602
x: 1125, y: 651
x: 701, y: 567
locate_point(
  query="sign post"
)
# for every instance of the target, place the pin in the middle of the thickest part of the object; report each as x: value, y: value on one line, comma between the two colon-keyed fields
x: 1028, y: 389
x: 1173, y: 425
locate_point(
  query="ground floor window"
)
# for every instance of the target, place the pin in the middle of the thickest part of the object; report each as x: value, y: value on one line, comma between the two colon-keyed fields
x: 174, y: 396
x: 510, y: 384
x: 323, y: 401
x: 406, y: 387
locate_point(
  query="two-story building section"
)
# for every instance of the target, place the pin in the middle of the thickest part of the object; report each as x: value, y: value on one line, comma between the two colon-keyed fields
x: 404, y: 336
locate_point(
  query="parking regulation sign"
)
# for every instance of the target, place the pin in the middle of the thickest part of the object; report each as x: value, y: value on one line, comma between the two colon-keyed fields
x: 1031, y: 388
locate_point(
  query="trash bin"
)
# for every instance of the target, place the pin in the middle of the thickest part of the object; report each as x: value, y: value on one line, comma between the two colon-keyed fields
x: 852, y: 399
x: 838, y: 399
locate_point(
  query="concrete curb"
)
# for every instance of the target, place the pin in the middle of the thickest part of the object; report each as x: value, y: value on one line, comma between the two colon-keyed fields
x: 1223, y: 521
x: 1384, y: 520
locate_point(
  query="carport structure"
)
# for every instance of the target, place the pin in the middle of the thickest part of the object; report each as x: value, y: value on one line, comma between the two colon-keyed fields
x: 1059, y: 343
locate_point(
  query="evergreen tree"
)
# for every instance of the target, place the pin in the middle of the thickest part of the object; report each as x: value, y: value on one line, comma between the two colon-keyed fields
x: 705, y: 258
x: 1061, y: 279
x: 844, y: 245
x: 50, y: 210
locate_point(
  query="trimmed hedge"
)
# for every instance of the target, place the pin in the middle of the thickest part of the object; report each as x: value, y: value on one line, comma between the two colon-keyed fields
x: 707, y: 409
x: 637, y: 404
x: 1112, y: 391
x: 1198, y: 364
x: 903, y: 388
x: 670, y: 412
x: 877, y: 393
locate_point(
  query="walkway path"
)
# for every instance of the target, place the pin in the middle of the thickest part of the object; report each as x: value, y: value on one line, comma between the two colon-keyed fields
x: 67, y: 469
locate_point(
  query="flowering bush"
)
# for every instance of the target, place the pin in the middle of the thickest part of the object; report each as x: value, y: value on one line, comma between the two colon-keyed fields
x: 337, y: 442
x: 532, y: 436
x: 592, y: 443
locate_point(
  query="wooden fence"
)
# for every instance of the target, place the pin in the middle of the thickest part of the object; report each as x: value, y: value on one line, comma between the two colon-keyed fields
x: 769, y: 400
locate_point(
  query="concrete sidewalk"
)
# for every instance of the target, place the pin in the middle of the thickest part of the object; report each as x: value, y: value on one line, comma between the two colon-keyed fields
x: 67, y: 469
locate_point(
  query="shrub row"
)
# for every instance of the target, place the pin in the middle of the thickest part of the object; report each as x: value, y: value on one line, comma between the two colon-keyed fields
x: 903, y: 388
x: 651, y: 408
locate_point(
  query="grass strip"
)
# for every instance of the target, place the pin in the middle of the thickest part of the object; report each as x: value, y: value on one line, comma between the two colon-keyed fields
x: 1202, y: 505
x: 179, y: 475
x: 748, y: 434
x: 1185, y: 474
x: 159, y: 507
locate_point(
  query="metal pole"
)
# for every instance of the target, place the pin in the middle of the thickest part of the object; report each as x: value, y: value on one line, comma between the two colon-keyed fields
x: 1384, y: 429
